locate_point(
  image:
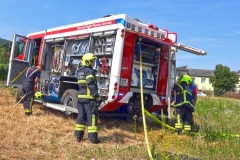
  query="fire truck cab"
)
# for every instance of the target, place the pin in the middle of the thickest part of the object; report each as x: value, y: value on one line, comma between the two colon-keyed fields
x: 118, y: 41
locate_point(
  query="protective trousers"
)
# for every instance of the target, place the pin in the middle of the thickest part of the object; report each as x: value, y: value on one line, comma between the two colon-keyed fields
x: 185, y: 115
x: 28, y: 88
x: 85, y: 114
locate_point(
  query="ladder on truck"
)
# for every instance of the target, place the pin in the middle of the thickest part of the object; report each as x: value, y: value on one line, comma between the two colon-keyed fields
x: 171, y: 77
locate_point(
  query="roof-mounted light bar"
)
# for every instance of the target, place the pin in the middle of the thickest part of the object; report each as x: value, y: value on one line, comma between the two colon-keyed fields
x: 191, y: 49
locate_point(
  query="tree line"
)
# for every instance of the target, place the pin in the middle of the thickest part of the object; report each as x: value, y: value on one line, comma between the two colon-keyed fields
x: 4, y: 60
x: 3, y: 42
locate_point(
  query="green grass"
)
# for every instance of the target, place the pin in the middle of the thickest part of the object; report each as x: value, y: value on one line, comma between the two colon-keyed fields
x: 219, y: 116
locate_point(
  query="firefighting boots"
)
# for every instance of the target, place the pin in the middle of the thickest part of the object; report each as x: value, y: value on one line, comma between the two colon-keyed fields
x: 178, y: 125
x: 28, y: 113
x: 79, y: 139
x: 94, y: 141
x: 187, y: 129
x: 79, y: 132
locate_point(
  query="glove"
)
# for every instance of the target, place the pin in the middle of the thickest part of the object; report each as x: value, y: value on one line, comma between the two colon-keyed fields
x: 97, y: 103
x: 98, y: 100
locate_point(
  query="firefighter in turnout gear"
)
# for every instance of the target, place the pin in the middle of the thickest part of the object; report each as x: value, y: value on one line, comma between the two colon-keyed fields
x: 31, y: 79
x: 184, y: 105
x: 88, y: 100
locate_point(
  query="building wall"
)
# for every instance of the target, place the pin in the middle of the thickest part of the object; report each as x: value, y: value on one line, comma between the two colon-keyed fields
x: 203, y: 83
x: 238, y: 86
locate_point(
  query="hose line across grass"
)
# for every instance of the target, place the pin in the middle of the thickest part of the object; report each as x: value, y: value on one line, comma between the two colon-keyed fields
x: 191, y: 133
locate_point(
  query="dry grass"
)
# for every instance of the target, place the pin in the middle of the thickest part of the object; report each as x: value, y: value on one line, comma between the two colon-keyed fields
x: 49, y: 134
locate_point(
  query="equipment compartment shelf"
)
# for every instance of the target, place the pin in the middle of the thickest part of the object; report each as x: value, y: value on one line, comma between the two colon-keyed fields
x: 145, y: 64
x: 104, y: 54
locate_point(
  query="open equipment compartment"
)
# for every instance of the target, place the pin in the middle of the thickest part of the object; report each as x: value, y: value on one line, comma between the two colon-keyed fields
x: 102, y: 45
x: 150, y: 52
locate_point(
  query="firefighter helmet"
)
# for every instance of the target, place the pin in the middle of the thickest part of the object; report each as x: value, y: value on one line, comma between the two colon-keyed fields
x: 38, y: 95
x: 187, y: 79
x: 87, y: 58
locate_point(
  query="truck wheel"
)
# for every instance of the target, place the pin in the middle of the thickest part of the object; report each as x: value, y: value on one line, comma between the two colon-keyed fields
x: 69, y: 98
x: 19, y: 94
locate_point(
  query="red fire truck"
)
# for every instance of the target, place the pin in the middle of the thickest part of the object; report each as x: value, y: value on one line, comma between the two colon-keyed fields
x: 117, y: 41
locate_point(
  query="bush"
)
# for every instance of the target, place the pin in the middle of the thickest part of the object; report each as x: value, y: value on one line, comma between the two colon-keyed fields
x: 3, y: 72
x: 218, y: 92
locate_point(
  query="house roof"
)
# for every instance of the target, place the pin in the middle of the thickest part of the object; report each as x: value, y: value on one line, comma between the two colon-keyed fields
x: 183, y: 68
x: 196, y: 72
x: 200, y: 72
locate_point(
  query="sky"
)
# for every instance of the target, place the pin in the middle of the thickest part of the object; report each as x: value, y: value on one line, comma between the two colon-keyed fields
x: 210, y: 25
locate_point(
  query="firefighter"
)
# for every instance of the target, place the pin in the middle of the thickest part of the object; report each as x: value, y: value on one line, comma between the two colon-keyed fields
x: 31, y: 79
x: 193, y: 89
x: 184, y: 105
x: 88, y: 100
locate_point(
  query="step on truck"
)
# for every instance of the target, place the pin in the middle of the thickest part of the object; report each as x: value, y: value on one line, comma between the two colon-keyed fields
x: 117, y: 41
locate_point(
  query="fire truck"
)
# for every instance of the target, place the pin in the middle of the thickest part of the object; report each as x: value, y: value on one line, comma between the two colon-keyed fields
x: 118, y: 41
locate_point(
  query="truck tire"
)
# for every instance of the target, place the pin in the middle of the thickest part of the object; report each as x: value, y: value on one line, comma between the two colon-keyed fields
x: 69, y: 98
x: 19, y: 94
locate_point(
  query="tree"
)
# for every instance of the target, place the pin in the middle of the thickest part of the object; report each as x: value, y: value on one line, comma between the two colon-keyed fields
x: 223, y: 80
x: 3, y: 72
x: 4, y: 59
x: 3, y: 42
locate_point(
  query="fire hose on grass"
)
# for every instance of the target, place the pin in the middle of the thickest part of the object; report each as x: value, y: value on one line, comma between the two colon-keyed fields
x: 191, y: 133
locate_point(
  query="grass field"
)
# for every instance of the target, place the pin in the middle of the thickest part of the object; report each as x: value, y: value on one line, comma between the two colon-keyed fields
x: 49, y: 134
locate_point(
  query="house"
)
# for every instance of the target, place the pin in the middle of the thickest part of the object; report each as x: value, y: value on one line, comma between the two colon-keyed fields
x: 199, y: 76
x: 238, y: 85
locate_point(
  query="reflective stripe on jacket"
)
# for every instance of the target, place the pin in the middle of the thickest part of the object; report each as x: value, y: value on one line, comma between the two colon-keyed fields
x: 183, y: 96
x: 87, y: 83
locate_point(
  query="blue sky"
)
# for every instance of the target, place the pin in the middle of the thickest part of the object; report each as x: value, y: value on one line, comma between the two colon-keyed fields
x: 210, y: 25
